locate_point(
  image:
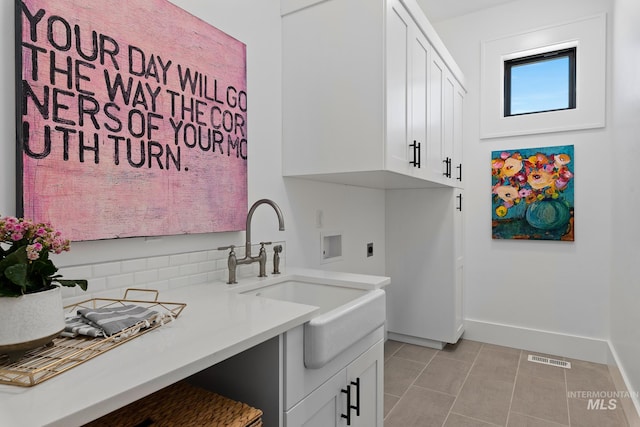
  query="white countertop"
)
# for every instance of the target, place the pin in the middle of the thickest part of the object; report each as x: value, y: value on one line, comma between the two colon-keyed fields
x: 216, y: 324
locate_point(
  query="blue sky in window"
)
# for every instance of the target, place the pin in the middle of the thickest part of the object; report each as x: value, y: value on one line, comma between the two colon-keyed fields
x: 540, y: 86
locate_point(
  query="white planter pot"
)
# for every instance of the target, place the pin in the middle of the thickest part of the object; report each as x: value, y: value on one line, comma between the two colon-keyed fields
x: 30, y: 321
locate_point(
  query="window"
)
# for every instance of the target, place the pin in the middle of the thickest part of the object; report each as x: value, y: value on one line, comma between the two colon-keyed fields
x: 589, y: 38
x: 540, y: 83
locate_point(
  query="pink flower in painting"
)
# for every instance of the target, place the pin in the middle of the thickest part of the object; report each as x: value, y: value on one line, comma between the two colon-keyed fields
x: 565, y: 174
x: 16, y: 235
x: 524, y: 192
x: 520, y: 177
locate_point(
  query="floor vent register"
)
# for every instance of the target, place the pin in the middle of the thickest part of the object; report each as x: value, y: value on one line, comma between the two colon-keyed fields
x: 548, y: 361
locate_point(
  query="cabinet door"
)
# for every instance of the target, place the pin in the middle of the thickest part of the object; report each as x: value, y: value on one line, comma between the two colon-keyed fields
x: 420, y: 57
x: 458, y: 105
x: 452, y: 144
x: 398, y: 74
x: 323, y: 407
x: 421, y: 301
x: 366, y: 377
x: 327, y: 405
x: 435, y: 150
x: 408, y: 56
x: 448, y: 123
x: 458, y: 235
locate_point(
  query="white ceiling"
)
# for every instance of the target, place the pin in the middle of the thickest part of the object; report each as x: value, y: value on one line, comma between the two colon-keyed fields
x: 440, y: 10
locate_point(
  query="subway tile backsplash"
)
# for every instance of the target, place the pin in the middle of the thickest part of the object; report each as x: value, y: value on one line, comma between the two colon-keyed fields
x: 111, y: 279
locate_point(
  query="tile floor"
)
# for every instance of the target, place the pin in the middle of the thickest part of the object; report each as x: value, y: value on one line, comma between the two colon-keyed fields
x: 472, y: 384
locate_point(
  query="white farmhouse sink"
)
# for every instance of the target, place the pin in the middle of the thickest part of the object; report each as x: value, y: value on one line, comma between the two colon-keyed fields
x: 345, y: 316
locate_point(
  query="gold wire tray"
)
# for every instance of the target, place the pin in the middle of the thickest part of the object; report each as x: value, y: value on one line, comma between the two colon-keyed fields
x: 64, y: 353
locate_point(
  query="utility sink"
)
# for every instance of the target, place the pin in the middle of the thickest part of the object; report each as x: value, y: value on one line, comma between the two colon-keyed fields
x: 345, y: 316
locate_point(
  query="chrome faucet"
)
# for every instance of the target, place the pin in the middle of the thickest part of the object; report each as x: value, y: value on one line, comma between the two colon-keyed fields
x: 261, y: 258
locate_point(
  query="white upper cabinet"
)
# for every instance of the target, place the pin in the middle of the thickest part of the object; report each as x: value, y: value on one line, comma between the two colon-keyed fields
x: 365, y: 95
x: 453, y: 101
x: 399, y: 33
x: 437, y: 165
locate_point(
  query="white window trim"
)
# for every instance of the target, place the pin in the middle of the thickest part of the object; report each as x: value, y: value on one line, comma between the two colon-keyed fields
x: 589, y: 36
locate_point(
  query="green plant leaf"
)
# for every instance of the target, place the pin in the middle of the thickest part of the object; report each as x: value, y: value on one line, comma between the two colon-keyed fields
x: 69, y: 282
x: 17, y: 273
x: 19, y: 256
x: 43, y: 268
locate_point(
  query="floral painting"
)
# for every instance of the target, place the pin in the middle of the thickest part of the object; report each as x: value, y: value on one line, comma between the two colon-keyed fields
x: 131, y: 119
x: 532, y: 194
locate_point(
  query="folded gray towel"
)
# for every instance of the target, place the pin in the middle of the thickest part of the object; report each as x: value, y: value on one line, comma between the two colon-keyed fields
x: 78, y: 325
x: 114, y: 319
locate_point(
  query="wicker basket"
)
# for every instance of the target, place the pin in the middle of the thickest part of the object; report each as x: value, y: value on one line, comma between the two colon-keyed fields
x: 182, y: 404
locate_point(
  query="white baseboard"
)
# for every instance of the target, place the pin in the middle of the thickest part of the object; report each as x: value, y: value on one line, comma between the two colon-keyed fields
x: 631, y: 406
x: 553, y: 343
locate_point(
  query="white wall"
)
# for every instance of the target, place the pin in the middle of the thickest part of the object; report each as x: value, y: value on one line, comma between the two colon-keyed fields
x: 516, y: 289
x: 625, y: 286
x: 358, y: 212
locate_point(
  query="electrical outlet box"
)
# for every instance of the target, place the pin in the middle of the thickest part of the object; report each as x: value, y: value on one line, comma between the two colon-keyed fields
x: 331, y: 247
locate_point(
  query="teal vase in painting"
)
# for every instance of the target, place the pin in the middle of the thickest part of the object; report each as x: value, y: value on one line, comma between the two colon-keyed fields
x: 548, y: 214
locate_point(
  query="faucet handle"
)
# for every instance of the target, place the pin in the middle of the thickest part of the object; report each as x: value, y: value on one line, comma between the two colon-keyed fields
x: 232, y: 262
x: 224, y: 248
x: 276, y: 258
x: 265, y: 243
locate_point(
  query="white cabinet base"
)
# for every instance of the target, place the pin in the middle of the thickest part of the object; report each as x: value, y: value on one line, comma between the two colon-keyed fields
x: 424, y: 259
x: 424, y: 342
x: 328, y: 405
x: 322, y: 408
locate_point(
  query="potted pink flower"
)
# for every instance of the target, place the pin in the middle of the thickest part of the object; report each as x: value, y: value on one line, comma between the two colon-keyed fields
x: 30, y: 300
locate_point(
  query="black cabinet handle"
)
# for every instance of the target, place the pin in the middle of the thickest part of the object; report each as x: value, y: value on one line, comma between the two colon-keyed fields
x: 416, y: 162
x: 357, y: 384
x: 459, y: 167
x: 459, y: 197
x: 447, y: 167
x: 347, y: 391
x: 348, y: 415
